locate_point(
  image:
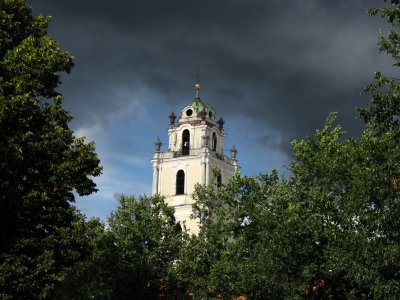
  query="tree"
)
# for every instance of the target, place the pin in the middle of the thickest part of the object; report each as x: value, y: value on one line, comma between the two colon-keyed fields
x: 383, y: 110
x: 331, y: 230
x: 134, y: 258
x: 382, y: 119
x: 42, y: 163
x: 227, y: 258
x: 148, y: 241
x: 95, y: 276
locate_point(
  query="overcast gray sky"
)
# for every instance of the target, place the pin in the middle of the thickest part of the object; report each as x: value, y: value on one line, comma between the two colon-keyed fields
x: 273, y: 70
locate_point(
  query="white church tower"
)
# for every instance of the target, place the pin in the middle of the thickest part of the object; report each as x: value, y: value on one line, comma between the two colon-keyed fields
x: 195, y: 148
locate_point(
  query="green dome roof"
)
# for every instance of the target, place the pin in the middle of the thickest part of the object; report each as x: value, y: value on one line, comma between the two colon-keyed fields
x: 198, y: 105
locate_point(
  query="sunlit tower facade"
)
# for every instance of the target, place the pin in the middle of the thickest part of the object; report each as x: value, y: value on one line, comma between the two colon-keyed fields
x: 195, y: 148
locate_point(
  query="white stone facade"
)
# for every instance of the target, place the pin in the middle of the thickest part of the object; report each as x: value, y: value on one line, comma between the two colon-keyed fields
x: 195, y: 148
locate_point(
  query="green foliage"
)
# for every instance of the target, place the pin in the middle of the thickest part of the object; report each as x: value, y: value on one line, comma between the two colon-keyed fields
x: 390, y: 43
x: 94, y: 277
x: 379, y: 205
x: 148, y: 241
x: 41, y: 162
x: 30, y: 60
x: 382, y: 114
x: 330, y: 231
x: 133, y: 258
x: 225, y: 257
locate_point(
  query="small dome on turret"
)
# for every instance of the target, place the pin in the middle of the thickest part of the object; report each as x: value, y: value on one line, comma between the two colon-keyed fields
x: 197, y: 110
x: 199, y: 105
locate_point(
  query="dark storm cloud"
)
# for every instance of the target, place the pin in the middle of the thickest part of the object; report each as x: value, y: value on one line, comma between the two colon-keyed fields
x: 280, y: 64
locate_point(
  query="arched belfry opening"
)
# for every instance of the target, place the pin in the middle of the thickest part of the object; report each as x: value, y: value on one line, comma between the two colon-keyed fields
x: 214, y: 142
x: 185, y: 142
x: 180, y: 182
x: 194, y: 149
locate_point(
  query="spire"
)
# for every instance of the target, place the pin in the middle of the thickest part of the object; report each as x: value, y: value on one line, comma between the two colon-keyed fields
x: 197, y: 76
x: 197, y: 86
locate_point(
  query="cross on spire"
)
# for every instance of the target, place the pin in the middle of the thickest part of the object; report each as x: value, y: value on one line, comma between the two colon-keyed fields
x: 197, y: 76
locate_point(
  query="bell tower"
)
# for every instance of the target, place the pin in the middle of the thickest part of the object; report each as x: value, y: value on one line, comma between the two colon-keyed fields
x: 195, y: 148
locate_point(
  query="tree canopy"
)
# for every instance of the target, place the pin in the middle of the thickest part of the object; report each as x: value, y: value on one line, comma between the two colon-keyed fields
x: 329, y: 230
x: 134, y: 256
x: 42, y: 163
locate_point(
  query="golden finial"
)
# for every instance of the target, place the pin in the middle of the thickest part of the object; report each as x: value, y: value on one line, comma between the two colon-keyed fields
x: 197, y: 76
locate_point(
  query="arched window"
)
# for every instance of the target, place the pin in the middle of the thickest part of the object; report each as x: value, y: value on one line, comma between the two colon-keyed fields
x: 185, y: 142
x: 180, y: 182
x: 178, y: 227
x: 214, y: 142
x: 219, y: 179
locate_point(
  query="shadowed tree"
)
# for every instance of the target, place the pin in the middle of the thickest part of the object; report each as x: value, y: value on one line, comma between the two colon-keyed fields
x: 330, y: 231
x: 42, y: 163
x: 133, y: 259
